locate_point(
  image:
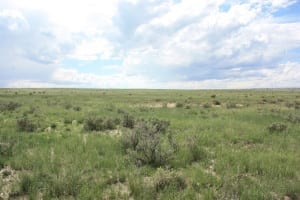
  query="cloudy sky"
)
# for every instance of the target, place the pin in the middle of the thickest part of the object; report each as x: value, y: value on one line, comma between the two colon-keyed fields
x: 186, y: 44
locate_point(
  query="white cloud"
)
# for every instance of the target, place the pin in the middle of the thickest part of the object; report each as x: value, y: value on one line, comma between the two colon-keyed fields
x: 169, y: 43
x: 72, y: 76
x: 13, y: 20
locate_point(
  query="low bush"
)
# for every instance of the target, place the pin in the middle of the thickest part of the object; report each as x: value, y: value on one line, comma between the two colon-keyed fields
x: 146, y: 144
x: 213, y: 96
x: 165, y: 179
x: 128, y: 121
x: 196, y: 151
x: 216, y: 102
x: 160, y: 125
x: 68, y: 106
x: 6, y: 149
x: 77, y: 108
x: 293, y: 118
x: 27, y: 125
x: 10, y: 106
x: 179, y: 105
x: 99, y: 124
x: 67, y: 121
x: 231, y: 105
x: 206, y: 105
x: 277, y: 127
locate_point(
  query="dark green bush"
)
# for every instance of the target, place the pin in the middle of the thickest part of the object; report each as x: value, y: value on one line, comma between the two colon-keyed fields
x: 128, y: 121
x: 216, y: 102
x: 99, y: 124
x: 146, y: 144
x: 277, y: 127
x: 27, y: 125
x: 77, y: 108
x: 10, y: 106
x: 179, y: 105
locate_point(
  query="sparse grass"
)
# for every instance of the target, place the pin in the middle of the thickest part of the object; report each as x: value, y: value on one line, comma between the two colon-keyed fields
x: 202, y: 152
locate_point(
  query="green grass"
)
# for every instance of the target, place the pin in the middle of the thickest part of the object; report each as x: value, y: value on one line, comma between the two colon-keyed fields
x: 224, y: 151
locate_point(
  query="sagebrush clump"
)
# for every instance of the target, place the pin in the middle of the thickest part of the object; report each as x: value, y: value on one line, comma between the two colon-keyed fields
x: 128, y: 121
x: 10, y: 106
x: 99, y: 124
x: 165, y: 179
x: 148, y: 144
x: 277, y: 127
x: 26, y: 124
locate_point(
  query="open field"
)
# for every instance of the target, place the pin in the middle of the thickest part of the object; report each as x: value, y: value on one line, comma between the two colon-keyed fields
x: 149, y: 144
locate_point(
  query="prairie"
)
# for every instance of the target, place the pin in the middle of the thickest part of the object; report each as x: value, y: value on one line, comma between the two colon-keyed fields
x: 149, y: 144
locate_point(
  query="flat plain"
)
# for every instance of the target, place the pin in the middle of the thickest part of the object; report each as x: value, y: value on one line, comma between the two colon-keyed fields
x: 149, y: 144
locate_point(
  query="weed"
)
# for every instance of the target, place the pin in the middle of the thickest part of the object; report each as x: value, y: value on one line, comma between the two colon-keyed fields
x: 216, y: 102
x: 293, y: 118
x: 165, y: 179
x: 26, y: 184
x: 10, y: 106
x: 195, y: 149
x: 6, y: 149
x: 68, y: 106
x: 77, y: 108
x: 179, y: 105
x: 99, y: 124
x: 27, y: 125
x: 128, y: 121
x: 206, y: 105
x: 231, y: 105
x: 277, y: 127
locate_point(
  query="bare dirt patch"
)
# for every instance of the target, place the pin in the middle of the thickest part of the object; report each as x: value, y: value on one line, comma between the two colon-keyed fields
x: 159, y: 105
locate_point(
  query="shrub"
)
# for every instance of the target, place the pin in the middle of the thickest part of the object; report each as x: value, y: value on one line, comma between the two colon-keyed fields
x: 68, y: 106
x: 213, y: 96
x: 128, y: 121
x: 165, y: 179
x: 216, y: 102
x: 109, y: 124
x: 179, y: 105
x: 26, y: 184
x: 67, y: 121
x: 99, y: 124
x: 196, y: 151
x: 294, y: 118
x: 10, y: 106
x: 187, y: 107
x: 231, y: 105
x: 206, y: 105
x: 24, y: 124
x: 277, y: 127
x: 160, y: 125
x: 53, y: 126
x: 146, y: 144
x: 77, y: 108
x: 5, y: 149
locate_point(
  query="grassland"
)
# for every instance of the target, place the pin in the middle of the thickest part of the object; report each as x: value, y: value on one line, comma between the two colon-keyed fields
x: 227, y: 144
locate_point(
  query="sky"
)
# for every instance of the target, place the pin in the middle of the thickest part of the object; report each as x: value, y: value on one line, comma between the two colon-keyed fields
x: 167, y: 44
